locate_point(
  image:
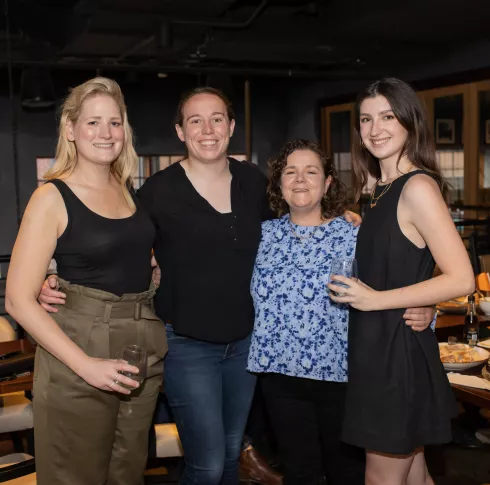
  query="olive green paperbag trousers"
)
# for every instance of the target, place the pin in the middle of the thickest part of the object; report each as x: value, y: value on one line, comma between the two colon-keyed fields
x: 83, y: 435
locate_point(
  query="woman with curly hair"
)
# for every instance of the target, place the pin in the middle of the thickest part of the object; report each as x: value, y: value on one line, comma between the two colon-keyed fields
x: 299, y: 342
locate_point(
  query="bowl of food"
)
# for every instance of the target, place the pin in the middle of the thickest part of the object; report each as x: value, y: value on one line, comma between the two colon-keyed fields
x: 485, y: 305
x: 462, y: 356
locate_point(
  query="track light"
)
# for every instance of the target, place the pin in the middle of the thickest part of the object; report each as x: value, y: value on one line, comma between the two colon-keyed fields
x: 36, y: 89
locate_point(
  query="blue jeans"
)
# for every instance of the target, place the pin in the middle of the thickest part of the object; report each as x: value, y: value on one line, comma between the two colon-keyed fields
x: 210, y: 394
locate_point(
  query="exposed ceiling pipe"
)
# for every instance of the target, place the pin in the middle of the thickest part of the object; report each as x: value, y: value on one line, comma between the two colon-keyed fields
x: 200, y: 23
x: 135, y: 48
x: 333, y: 73
x: 226, y: 25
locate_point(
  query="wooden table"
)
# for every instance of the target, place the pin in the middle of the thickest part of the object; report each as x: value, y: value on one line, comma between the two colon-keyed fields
x: 452, y: 325
x: 22, y: 383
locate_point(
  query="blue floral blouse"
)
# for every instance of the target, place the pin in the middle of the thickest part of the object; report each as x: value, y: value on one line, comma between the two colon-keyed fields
x: 298, y: 330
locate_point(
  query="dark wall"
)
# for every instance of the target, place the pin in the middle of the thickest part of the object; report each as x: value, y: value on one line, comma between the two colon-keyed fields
x: 151, y: 108
x: 304, y: 98
x: 8, y: 224
x: 269, y: 119
x: 36, y: 137
x: 282, y: 109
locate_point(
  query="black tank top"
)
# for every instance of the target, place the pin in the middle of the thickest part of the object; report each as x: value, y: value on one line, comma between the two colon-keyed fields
x: 102, y: 253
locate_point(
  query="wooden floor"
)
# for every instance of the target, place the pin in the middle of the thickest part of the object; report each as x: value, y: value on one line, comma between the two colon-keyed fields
x: 449, y: 465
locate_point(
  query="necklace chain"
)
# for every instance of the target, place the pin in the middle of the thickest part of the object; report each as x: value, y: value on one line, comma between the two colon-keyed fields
x: 299, y: 236
x: 374, y: 200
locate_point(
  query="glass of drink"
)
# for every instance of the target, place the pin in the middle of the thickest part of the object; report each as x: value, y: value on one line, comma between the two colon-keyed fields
x: 136, y: 356
x: 344, y: 267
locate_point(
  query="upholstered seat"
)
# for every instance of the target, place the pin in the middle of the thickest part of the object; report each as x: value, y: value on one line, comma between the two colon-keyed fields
x: 168, y: 441
x: 483, y: 282
x: 15, y: 413
x: 7, y: 333
x: 15, y: 409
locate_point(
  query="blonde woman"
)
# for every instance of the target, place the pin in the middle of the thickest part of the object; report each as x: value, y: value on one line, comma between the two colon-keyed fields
x: 86, y: 218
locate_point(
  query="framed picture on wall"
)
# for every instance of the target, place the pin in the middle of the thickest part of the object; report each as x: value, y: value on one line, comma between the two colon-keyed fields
x: 445, y: 132
x: 487, y: 132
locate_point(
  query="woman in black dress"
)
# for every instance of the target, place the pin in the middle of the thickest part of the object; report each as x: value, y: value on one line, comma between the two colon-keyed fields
x: 398, y: 397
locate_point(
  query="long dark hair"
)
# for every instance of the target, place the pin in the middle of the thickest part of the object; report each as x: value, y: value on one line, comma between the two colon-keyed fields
x: 333, y: 203
x: 419, y: 147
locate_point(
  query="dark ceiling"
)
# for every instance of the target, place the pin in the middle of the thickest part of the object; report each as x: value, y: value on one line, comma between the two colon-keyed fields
x: 331, y: 39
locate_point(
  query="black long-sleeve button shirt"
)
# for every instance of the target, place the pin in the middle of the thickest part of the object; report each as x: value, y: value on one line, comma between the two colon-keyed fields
x: 206, y: 257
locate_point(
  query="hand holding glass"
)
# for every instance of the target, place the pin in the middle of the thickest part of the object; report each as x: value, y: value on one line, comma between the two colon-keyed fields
x: 137, y: 356
x: 344, y: 267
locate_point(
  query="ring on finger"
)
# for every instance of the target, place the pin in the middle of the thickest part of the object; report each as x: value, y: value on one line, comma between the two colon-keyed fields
x: 342, y: 294
x: 113, y: 383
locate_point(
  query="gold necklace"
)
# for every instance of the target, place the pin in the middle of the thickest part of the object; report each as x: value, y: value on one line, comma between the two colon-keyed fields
x: 374, y: 200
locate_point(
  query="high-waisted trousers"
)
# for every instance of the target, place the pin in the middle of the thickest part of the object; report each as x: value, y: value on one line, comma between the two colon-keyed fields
x: 83, y: 435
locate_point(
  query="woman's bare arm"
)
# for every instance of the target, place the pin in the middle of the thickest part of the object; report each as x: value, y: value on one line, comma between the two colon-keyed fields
x: 44, y: 219
x: 428, y: 213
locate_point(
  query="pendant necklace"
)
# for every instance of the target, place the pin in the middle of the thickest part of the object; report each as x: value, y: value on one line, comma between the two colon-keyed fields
x: 374, y: 200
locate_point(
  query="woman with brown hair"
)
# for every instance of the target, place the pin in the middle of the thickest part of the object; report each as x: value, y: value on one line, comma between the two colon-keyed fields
x: 86, y: 218
x: 207, y: 209
x: 299, y: 342
x: 398, y: 397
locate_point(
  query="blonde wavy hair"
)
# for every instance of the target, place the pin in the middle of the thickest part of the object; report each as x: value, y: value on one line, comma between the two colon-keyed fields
x: 125, y: 164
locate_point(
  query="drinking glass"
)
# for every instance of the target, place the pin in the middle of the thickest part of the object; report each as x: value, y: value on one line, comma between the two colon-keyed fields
x: 136, y: 356
x: 344, y: 267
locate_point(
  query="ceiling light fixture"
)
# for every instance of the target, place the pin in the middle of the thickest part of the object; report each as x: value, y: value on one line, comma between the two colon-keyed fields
x: 36, y: 88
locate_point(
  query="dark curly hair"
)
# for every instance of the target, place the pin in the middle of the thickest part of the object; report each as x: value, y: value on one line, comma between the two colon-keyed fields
x: 179, y: 116
x: 333, y: 204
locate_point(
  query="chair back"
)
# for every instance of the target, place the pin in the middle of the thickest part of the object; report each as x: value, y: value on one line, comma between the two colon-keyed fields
x: 7, y: 333
x: 483, y: 282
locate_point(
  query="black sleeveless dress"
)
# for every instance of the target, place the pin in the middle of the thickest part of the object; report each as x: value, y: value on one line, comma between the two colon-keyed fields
x: 398, y: 396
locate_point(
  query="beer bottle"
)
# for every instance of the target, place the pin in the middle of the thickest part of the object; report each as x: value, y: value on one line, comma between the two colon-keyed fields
x: 471, y: 323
